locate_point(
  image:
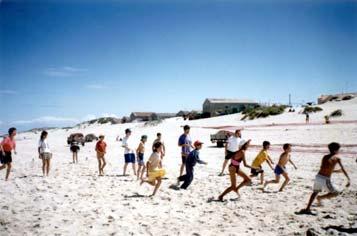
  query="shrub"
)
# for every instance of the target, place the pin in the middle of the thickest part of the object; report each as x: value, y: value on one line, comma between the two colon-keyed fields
x: 336, y: 113
x: 347, y: 97
x: 309, y: 109
x: 262, y: 112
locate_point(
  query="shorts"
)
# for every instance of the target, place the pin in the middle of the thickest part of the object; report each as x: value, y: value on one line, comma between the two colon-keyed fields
x: 256, y: 172
x: 46, y: 156
x: 129, y: 158
x: 279, y: 170
x: 74, y: 148
x: 153, y: 175
x: 229, y: 155
x: 323, y: 183
x: 5, y: 159
x: 141, y: 159
x: 100, y: 154
x: 183, y: 159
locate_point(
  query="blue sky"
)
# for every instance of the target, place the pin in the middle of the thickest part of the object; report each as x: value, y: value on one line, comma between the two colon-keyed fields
x: 62, y: 62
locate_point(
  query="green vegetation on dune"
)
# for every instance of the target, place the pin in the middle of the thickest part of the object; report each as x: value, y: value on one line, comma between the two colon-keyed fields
x: 336, y: 113
x: 309, y: 109
x: 263, y: 111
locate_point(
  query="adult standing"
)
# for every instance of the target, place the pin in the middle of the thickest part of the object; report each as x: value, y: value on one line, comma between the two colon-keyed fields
x: 129, y: 152
x: 44, y: 153
x: 185, y: 143
x: 231, y: 148
x: 6, y: 147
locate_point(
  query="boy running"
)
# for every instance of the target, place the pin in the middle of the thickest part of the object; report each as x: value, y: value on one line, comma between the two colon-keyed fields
x: 323, y: 178
x: 154, y: 168
x: 6, y: 146
x: 280, y: 168
x: 259, y: 160
x: 191, y: 161
x: 101, y: 149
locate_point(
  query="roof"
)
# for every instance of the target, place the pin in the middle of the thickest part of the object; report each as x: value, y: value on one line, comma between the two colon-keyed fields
x: 141, y: 114
x: 165, y: 114
x: 225, y: 100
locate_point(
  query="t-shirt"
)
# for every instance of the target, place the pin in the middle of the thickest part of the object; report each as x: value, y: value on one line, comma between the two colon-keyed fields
x: 127, y: 143
x: 193, y: 158
x: 44, y: 147
x: 8, y: 144
x: 234, y: 143
x: 185, y: 139
x: 154, y: 161
x: 101, y: 146
x: 261, y: 157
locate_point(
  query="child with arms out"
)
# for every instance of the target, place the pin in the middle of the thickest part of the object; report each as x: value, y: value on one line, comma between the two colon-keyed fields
x: 280, y: 168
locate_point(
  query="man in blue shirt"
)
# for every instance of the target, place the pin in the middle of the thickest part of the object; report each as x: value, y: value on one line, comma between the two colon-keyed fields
x: 191, y: 161
x: 186, y: 146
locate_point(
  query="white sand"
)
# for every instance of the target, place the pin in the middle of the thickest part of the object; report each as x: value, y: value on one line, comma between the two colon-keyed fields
x: 75, y: 201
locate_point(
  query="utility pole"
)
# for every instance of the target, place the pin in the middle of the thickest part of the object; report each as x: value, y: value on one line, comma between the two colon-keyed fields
x: 289, y: 99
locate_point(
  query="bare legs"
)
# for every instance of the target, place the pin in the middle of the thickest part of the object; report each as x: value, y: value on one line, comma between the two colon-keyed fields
x: 126, y: 166
x: 101, y: 164
x: 75, y: 157
x: 45, y: 166
x: 246, y: 180
x: 233, y: 187
x: 156, y: 183
x: 319, y: 199
x: 8, y: 168
x: 277, y: 180
x: 141, y: 171
x: 183, y: 164
x: 224, y: 166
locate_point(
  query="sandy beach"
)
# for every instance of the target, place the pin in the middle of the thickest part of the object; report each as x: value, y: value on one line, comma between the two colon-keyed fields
x: 74, y: 200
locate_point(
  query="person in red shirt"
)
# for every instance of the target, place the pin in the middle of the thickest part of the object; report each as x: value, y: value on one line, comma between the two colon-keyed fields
x: 100, y: 148
x: 6, y: 146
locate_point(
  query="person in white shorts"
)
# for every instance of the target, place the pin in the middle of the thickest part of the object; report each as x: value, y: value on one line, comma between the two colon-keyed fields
x: 323, y: 178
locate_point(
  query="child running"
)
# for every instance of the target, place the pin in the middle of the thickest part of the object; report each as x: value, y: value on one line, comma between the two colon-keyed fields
x: 140, y: 156
x: 323, y: 178
x: 234, y: 169
x: 6, y: 146
x: 259, y: 160
x: 101, y: 149
x: 44, y: 153
x: 280, y: 168
x: 154, y: 168
x: 191, y: 161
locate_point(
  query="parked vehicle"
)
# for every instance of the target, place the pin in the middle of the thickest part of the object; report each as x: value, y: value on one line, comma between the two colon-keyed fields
x: 78, y: 137
x: 90, y: 138
x: 220, y: 137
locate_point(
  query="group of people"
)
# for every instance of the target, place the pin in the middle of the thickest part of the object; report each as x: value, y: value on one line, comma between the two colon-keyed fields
x: 235, y: 150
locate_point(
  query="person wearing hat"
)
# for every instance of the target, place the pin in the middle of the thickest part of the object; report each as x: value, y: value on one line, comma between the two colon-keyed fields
x: 101, y: 149
x: 191, y: 161
x: 186, y: 146
x: 129, y: 154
